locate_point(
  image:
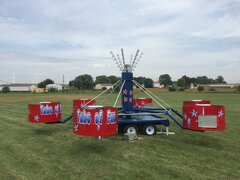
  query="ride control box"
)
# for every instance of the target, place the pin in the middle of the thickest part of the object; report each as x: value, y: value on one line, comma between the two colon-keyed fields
x: 200, y: 115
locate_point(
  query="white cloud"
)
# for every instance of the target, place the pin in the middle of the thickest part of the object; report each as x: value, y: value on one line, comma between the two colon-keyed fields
x: 176, y: 36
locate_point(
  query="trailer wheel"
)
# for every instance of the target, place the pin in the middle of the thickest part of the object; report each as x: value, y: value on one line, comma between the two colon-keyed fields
x: 149, y: 129
x: 130, y: 129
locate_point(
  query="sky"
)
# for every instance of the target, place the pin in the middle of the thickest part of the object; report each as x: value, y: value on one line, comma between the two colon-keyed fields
x: 51, y: 38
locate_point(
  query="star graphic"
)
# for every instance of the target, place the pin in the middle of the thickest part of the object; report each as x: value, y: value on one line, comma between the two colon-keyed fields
x: 130, y: 93
x: 125, y: 91
x: 125, y: 99
x: 36, y: 118
x: 194, y: 113
x: 76, y: 127
x: 189, y: 122
x: 185, y: 117
x: 130, y: 99
x: 220, y: 114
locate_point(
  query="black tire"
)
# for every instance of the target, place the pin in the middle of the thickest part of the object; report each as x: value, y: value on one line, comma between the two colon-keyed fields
x: 149, y: 129
x: 130, y: 128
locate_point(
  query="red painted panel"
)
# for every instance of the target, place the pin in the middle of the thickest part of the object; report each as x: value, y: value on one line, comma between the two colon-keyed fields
x: 96, y: 121
x: 191, y: 113
x: 44, y: 112
x: 142, y: 102
x: 193, y: 102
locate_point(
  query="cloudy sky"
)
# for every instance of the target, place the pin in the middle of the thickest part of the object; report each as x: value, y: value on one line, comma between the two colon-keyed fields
x: 48, y: 38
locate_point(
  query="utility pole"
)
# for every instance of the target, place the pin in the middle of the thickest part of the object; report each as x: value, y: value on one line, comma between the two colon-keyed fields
x: 13, y: 78
x: 63, y: 83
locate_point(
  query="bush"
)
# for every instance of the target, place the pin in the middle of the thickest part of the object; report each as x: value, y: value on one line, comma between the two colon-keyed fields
x: 172, y: 89
x: 211, y: 89
x: 200, y: 88
x: 181, y: 89
x: 238, y: 88
x: 5, y: 89
x: 52, y: 89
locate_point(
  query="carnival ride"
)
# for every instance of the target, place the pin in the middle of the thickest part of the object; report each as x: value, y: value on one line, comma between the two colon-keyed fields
x: 134, y: 114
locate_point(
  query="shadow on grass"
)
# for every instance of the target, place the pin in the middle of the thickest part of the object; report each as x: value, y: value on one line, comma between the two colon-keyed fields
x: 45, y: 131
x: 92, y: 146
x: 204, y: 141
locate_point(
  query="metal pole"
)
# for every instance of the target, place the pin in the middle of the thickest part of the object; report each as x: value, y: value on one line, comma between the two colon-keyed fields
x: 156, y: 96
x: 150, y: 96
x: 98, y: 95
x: 119, y: 93
x: 118, y: 64
x: 134, y: 59
x: 103, y: 101
x: 124, y: 65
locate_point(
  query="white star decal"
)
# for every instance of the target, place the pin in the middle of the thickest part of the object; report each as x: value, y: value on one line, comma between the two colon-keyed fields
x: 220, y: 114
x: 36, y: 118
x: 76, y: 127
x: 189, y: 122
x: 185, y: 117
x: 194, y: 113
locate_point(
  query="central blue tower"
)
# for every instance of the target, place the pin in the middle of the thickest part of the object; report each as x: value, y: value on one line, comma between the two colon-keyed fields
x: 127, y: 78
x: 127, y: 91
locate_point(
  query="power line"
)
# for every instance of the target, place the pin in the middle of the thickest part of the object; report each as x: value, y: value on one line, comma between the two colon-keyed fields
x: 5, y: 82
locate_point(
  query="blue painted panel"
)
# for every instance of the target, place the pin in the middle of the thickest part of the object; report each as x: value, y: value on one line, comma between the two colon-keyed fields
x: 127, y: 91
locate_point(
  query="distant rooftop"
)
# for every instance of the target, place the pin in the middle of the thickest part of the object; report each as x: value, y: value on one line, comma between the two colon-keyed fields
x: 105, y: 84
x: 17, y: 84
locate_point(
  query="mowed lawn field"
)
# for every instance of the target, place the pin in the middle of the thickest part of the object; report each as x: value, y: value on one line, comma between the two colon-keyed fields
x: 41, y: 151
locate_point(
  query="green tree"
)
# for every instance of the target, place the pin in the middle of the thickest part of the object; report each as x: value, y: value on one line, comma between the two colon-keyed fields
x: 220, y: 80
x: 238, y: 88
x: 211, y: 81
x: 140, y: 79
x: 202, y: 80
x: 165, y: 79
x: 84, y: 82
x: 102, y: 80
x: 52, y: 89
x: 193, y: 80
x: 44, y: 83
x: 148, y: 83
x: 113, y: 79
x: 71, y: 83
x: 182, y: 83
x: 5, y: 89
x: 185, y: 81
x: 200, y: 88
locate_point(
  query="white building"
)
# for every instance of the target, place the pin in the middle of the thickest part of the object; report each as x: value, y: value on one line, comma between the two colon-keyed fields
x: 157, y: 84
x: 18, y: 87
x: 220, y: 85
x: 58, y: 87
x: 103, y: 86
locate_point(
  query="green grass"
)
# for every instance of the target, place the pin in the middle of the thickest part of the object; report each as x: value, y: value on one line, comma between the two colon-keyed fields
x: 40, y: 151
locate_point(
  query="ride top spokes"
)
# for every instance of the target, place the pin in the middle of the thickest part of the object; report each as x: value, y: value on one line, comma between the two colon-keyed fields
x: 121, y: 62
x: 134, y: 115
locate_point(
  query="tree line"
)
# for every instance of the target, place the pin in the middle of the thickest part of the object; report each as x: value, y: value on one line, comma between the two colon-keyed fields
x: 86, y: 81
x: 185, y: 81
